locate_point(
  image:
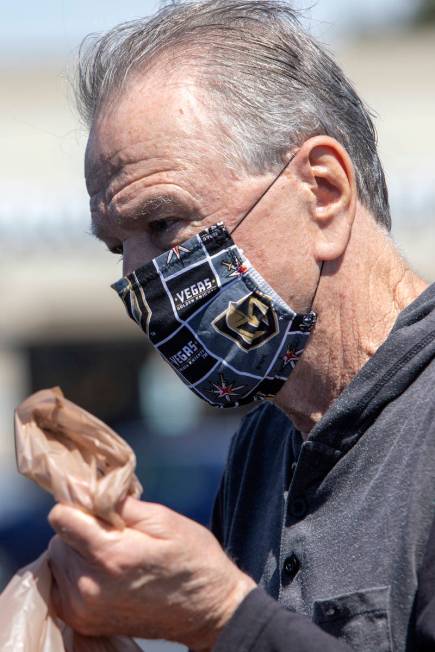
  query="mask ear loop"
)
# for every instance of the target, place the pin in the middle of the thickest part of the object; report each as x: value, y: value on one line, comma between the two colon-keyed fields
x: 309, y: 320
x: 242, y: 219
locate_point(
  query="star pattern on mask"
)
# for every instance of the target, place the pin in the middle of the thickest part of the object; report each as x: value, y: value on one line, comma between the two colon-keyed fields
x: 176, y: 252
x: 234, y: 269
x: 225, y: 389
x: 291, y: 357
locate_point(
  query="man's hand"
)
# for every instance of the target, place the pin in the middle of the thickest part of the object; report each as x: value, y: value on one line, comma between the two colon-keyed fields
x: 163, y: 576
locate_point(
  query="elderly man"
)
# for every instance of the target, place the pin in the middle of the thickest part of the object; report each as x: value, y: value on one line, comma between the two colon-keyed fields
x: 235, y: 168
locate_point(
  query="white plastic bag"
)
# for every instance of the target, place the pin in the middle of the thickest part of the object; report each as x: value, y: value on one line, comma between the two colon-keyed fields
x: 82, y: 462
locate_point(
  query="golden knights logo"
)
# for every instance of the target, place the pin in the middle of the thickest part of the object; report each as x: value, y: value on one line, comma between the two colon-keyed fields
x: 249, y: 322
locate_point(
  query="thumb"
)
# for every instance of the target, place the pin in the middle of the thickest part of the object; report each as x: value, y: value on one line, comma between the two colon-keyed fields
x: 79, y: 530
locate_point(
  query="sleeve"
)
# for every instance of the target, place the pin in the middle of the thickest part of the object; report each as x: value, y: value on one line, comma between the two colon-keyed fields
x: 425, y: 605
x: 260, y: 624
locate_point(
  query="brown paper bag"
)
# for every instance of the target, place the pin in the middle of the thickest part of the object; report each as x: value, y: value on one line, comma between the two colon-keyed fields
x: 82, y: 462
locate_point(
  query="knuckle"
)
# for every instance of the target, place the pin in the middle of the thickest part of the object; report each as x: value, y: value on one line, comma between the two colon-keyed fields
x: 86, y: 608
x: 88, y: 590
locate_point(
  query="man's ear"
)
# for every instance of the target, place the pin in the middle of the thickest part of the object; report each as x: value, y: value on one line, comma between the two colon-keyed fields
x: 326, y: 170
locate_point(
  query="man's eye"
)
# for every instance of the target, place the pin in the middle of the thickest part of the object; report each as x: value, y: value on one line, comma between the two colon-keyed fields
x: 161, y: 226
x: 117, y: 249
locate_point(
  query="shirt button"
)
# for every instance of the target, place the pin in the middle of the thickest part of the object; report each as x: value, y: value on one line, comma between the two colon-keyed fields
x: 291, y: 567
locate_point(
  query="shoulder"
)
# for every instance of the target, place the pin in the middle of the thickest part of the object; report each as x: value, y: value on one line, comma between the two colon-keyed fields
x: 417, y: 407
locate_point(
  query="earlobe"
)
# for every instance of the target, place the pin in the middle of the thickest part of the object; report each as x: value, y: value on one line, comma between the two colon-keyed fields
x: 330, y: 176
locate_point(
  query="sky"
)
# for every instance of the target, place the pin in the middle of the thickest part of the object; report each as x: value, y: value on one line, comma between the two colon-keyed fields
x: 30, y: 28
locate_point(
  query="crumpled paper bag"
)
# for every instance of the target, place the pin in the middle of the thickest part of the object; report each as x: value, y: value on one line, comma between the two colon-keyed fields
x: 82, y: 462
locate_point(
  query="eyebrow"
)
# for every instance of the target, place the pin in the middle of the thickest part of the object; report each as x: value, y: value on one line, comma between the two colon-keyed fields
x: 156, y: 207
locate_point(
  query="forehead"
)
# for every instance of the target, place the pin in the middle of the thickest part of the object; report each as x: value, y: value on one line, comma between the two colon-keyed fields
x: 154, y: 117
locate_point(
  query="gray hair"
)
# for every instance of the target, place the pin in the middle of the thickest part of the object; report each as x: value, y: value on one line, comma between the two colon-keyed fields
x: 271, y: 83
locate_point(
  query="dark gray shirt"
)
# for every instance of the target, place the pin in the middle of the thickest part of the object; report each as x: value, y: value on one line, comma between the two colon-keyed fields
x: 335, y: 528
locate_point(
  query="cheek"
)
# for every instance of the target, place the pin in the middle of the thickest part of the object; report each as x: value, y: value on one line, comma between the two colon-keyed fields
x: 285, y: 261
x: 137, y: 250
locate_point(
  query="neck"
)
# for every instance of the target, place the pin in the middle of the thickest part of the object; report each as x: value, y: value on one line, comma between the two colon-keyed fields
x: 358, y: 301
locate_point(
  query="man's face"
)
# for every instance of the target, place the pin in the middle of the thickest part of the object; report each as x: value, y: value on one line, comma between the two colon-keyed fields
x: 156, y: 174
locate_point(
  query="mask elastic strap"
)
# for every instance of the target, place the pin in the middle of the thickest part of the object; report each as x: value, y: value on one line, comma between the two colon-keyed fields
x: 310, y: 318
x: 242, y: 219
x: 317, y: 286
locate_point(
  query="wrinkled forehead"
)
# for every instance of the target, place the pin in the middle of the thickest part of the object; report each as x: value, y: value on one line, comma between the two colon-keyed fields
x: 153, y: 116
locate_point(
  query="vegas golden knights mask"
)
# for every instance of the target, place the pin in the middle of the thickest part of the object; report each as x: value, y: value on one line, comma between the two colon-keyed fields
x: 210, y: 314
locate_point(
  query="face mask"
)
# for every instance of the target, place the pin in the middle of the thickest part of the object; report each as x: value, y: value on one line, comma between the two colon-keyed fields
x: 226, y: 333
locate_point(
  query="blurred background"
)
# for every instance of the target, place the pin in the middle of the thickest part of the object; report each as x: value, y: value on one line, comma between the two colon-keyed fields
x: 61, y: 324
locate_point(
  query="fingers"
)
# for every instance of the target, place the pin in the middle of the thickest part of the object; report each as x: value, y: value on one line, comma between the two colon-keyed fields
x: 75, y: 588
x: 152, y: 519
x: 61, y: 562
x: 56, y: 600
x: 90, y: 537
x: 81, y: 531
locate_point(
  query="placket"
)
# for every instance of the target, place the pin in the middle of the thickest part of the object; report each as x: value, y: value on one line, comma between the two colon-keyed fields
x: 314, y: 463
